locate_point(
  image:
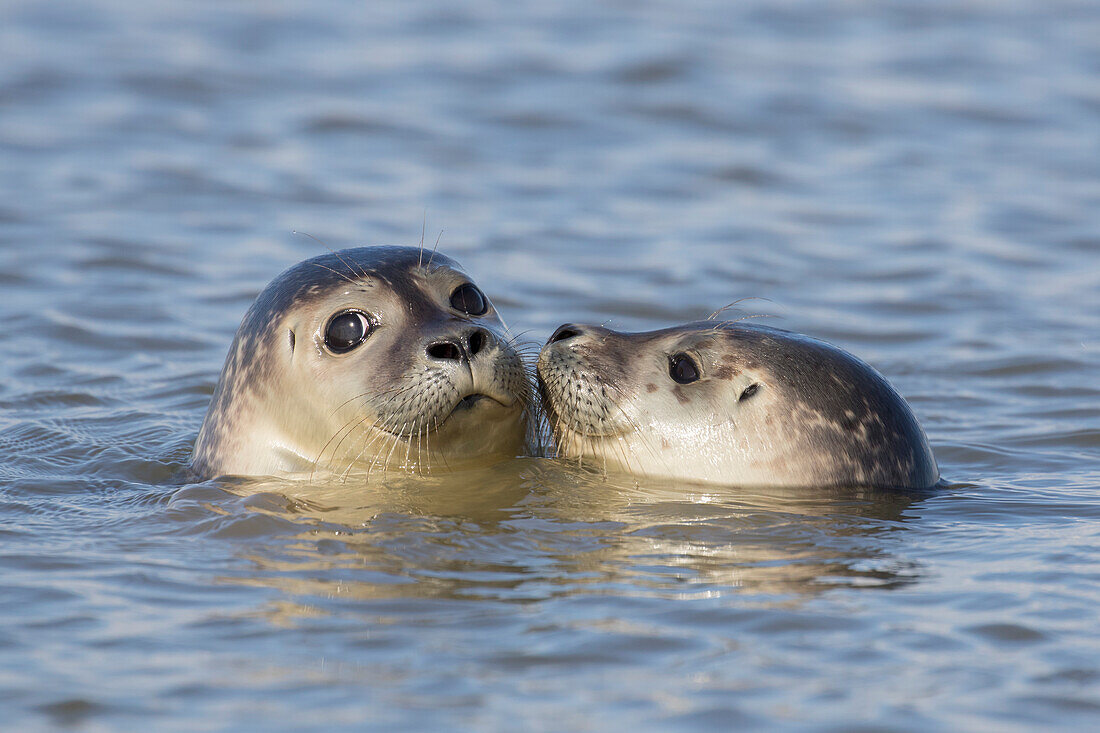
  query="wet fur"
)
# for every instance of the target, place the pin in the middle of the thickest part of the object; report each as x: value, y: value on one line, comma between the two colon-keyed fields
x: 285, y: 405
x: 817, y: 416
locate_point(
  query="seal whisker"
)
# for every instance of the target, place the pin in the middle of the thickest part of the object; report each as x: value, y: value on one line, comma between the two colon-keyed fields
x: 427, y: 466
x: 757, y: 315
x: 735, y: 303
x: 408, y: 443
x: 366, y: 444
x: 382, y: 435
x: 398, y: 389
x: 418, y: 458
x: 580, y: 439
x: 423, y: 229
x: 396, y: 440
x: 514, y: 339
x: 434, y: 250
x: 360, y: 273
x: 533, y: 412
x: 379, y: 423
x: 337, y: 273
x: 349, y: 426
x: 442, y: 451
x: 366, y: 395
x: 350, y: 423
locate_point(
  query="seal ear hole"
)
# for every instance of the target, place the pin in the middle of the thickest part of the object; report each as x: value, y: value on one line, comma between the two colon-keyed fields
x: 682, y: 369
x: 749, y: 391
x: 346, y: 330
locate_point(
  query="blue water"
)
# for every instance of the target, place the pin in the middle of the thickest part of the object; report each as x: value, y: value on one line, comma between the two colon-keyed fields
x: 915, y: 181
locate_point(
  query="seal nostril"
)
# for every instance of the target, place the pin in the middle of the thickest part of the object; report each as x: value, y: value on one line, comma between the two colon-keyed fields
x: 476, y: 341
x: 445, y: 350
x: 563, y: 333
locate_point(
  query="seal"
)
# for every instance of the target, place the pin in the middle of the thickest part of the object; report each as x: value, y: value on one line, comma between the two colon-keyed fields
x: 729, y: 403
x: 365, y: 358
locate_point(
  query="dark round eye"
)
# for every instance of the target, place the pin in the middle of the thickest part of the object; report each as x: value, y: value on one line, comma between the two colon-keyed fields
x: 749, y: 392
x: 468, y: 299
x: 346, y: 330
x: 682, y: 369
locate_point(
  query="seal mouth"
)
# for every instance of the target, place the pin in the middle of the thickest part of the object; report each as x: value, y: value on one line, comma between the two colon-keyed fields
x: 467, y: 402
x: 472, y: 401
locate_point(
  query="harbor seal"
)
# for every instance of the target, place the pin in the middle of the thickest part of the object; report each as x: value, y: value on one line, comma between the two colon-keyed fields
x: 370, y: 357
x: 729, y: 403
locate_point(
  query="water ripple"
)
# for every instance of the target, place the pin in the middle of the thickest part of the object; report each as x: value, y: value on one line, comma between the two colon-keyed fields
x: 915, y: 182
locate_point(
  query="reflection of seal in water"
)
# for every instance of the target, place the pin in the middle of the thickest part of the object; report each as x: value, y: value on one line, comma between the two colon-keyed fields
x: 375, y: 356
x: 730, y: 403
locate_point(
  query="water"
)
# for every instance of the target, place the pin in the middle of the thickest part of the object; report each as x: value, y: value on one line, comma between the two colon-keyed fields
x: 916, y: 182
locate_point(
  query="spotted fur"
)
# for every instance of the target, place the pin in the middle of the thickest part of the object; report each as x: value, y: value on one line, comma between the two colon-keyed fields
x: 812, y: 414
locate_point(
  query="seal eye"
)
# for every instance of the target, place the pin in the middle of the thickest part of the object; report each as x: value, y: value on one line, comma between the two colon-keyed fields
x: 468, y: 299
x: 346, y: 330
x: 682, y: 369
x: 749, y: 392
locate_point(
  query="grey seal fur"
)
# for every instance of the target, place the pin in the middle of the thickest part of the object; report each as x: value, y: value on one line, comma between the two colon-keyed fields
x: 767, y: 407
x: 430, y: 385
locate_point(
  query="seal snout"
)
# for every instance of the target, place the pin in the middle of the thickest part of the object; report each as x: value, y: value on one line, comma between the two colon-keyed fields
x: 478, y: 372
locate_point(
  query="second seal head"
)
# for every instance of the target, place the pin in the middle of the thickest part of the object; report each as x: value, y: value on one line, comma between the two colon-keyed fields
x: 729, y: 403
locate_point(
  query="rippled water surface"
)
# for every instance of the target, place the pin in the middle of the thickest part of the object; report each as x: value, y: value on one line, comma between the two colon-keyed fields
x: 917, y: 182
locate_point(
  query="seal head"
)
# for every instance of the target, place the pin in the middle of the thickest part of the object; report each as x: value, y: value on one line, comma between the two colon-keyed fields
x: 370, y: 357
x: 729, y: 403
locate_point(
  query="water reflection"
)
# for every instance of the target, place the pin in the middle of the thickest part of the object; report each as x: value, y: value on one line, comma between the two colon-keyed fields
x: 533, y: 529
